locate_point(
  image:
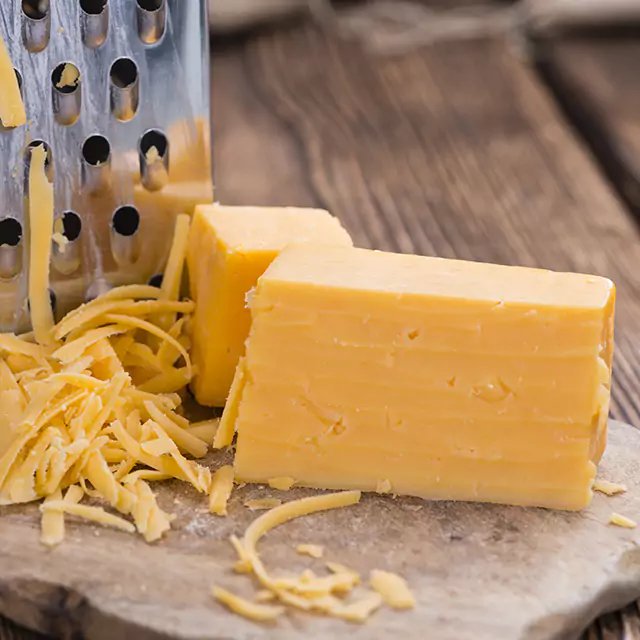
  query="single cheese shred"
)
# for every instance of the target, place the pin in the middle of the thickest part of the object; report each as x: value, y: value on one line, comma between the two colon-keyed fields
x: 262, y: 503
x: 622, y: 521
x: 246, y: 608
x: 312, y: 550
x: 221, y: 486
x: 608, y: 488
x: 40, y: 230
x: 393, y: 589
x: 12, y: 111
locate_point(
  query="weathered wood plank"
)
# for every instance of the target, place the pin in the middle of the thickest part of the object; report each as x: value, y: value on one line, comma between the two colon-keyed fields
x: 455, y: 150
x: 595, y: 76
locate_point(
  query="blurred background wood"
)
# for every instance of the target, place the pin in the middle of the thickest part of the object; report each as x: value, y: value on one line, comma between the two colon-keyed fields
x: 596, y: 77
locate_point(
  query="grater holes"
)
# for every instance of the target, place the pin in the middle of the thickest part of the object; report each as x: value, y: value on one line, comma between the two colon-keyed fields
x: 124, y: 89
x: 35, y: 9
x: 66, y: 256
x: 96, y: 163
x: 126, y: 221
x: 156, y: 281
x: 65, y: 78
x: 150, y: 5
x: 151, y: 16
x: 10, y: 232
x: 125, y: 239
x: 96, y: 150
x: 71, y: 225
x: 124, y: 73
x: 36, y: 24
x: 10, y: 250
x: 93, y: 7
x: 153, y: 151
x: 66, y: 82
x: 94, y: 22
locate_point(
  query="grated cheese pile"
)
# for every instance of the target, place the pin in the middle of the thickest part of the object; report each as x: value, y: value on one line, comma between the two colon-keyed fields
x: 92, y: 406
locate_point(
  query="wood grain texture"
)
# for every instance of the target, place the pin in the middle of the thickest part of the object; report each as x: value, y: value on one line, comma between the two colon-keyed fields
x: 456, y: 150
x: 595, y: 76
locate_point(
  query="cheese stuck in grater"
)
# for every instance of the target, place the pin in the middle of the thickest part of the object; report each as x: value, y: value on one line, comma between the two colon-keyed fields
x: 117, y: 92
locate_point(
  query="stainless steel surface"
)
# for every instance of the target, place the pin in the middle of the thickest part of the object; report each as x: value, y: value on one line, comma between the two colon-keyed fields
x: 36, y: 24
x: 66, y: 99
x: 125, y: 236
x: 66, y: 257
x: 154, y: 159
x: 94, y: 22
x: 151, y: 20
x: 170, y: 94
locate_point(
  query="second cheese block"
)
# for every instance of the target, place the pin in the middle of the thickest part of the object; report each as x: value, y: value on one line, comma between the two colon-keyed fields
x: 229, y: 249
x: 429, y: 377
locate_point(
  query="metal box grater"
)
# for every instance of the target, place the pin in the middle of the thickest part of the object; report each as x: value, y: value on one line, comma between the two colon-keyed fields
x: 128, y: 142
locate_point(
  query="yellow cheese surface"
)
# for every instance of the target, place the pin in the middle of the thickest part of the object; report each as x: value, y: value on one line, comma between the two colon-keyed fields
x: 229, y: 249
x: 444, y: 379
x: 12, y: 112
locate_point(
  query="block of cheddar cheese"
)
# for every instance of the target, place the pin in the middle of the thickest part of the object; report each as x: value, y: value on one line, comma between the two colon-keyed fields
x: 229, y: 249
x: 423, y: 376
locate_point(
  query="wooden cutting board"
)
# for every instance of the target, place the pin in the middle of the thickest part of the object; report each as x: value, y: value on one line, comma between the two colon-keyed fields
x: 478, y: 571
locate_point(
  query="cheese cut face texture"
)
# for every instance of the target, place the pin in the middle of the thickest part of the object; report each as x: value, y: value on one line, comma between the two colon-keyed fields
x: 229, y: 249
x: 448, y: 379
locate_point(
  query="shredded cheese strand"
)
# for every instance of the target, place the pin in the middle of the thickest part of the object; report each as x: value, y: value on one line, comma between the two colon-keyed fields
x: 97, y: 514
x: 221, y: 487
x: 74, y: 349
x: 12, y: 111
x: 185, y: 441
x: 138, y: 323
x: 172, y: 278
x: 295, y: 509
x: 132, y: 308
x: 246, y: 608
x: 40, y: 229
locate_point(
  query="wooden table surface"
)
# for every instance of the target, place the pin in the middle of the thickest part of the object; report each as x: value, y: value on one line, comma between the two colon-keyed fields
x: 458, y: 149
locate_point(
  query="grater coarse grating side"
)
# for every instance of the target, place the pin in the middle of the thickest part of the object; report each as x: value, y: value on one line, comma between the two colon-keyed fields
x: 128, y: 140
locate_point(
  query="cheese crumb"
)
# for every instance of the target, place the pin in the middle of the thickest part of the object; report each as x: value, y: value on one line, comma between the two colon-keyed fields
x: 264, y: 595
x: 251, y: 610
x: 393, y: 589
x: 282, y: 484
x: 313, y: 550
x: 221, y: 487
x: 69, y: 78
x: 336, y: 567
x: 608, y: 488
x: 622, y: 521
x: 61, y: 240
x: 263, y: 503
x: 383, y: 486
x: 360, y: 610
x: 152, y: 155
